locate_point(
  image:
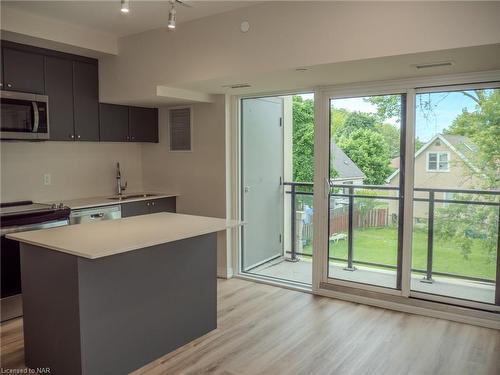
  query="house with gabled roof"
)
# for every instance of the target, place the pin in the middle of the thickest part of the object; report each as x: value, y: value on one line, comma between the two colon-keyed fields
x: 347, y: 172
x: 443, y: 162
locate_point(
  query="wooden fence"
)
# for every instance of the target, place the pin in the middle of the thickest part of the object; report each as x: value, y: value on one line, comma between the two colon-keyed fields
x: 374, y: 218
x: 339, y: 221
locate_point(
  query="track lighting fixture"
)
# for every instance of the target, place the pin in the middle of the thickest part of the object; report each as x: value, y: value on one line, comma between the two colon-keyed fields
x: 125, y: 6
x: 171, y: 16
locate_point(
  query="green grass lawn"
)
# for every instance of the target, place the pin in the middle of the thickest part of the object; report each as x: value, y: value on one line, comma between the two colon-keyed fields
x: 379, y: 245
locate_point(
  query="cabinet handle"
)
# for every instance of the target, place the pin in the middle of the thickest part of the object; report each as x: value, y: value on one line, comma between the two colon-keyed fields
x: 147, y: 204
x: 72, y: 136
x: 9, y: 85
x: 152, y: 203
x: 128, y: 137
x: 78, y: 136
x: 133, y: 138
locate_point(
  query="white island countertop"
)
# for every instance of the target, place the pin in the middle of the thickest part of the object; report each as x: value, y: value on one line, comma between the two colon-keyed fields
x: 111, y: 237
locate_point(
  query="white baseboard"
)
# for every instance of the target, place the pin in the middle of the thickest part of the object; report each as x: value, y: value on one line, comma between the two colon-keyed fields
x: 225, y: 272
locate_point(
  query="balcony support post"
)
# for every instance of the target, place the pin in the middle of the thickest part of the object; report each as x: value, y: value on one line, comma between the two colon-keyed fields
x: 350, y: 231
x: 293, y: 211
x: 497, y: 286
x: 430, y: 239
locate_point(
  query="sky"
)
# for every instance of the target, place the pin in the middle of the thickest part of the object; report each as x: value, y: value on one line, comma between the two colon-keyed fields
x: 445, y: 108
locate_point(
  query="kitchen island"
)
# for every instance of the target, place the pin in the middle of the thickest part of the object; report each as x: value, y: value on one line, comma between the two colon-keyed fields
x: 111, y: 296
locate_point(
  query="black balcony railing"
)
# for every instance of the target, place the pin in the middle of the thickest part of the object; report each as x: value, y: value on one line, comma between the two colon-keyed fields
x: 347, y: 191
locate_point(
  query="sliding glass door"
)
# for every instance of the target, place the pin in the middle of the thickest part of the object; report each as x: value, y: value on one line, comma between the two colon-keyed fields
x: 364, y: 242
x: 411, y: 200
x: 456, y: 197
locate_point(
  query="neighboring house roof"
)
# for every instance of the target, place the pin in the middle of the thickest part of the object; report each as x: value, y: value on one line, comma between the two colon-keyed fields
x: 459, y: 144
x: 345, y: 167
x: 395, y: 162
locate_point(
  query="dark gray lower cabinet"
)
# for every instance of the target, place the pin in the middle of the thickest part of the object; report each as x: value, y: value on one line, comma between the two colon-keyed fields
x: 149, y: 207
x: 135, y: 208
x: 163, y: 205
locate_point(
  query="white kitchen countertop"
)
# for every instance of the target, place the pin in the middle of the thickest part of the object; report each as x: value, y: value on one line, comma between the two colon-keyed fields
x: 111, y: 237
x: 76, y: 204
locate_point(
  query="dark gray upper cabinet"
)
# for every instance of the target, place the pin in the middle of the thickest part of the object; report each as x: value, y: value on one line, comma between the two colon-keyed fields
x: 59, y: 88
x: 143, y: 124
x: 86, y: 101
x: 113, y: 122
x: 23, y: 71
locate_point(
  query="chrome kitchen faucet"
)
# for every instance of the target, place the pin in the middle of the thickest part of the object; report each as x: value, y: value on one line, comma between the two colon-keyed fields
x: 119, y: 186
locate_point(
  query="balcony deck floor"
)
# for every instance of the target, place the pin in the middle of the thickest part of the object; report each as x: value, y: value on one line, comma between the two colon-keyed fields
x: 301, y: 271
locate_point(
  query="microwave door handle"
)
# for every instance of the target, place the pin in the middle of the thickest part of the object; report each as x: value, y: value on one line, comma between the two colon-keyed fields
x: 36, y: 117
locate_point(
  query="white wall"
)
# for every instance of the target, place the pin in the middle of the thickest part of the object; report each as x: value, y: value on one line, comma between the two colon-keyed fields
x: 292, y: 34
x: 78, y: 169
x: 198, y: 176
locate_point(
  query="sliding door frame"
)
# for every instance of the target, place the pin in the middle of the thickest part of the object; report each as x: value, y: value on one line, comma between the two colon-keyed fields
x: 324, y: 285
x: 400, y: 303
x: 442, y: 298
x: 324, y: 98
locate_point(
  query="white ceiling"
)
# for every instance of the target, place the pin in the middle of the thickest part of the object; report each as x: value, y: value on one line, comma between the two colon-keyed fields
x: 470, y: 59
x: 105, y: 15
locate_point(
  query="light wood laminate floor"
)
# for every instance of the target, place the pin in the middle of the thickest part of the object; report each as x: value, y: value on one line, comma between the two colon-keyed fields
x: 268, y: 330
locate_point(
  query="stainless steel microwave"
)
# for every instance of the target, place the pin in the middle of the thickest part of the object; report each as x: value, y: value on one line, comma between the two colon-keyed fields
x: 24, y: 116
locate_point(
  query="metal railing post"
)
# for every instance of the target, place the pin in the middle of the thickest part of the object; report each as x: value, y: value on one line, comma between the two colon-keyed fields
x: 350, y: 230
x: 497, y: 289
x: 430, y: 239
x: 294, y: 218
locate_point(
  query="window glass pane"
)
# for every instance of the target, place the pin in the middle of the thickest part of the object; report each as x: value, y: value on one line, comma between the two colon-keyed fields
x: 364, y: 199
x: 454, y: 250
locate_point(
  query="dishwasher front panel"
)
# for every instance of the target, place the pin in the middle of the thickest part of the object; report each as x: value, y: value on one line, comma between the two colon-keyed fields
x: 88, y: 215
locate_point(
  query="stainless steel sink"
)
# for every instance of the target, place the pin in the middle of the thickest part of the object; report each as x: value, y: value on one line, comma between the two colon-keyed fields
x: 132, y: 196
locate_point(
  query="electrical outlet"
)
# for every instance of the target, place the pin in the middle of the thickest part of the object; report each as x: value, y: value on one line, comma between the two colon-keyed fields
x: 47, y: 179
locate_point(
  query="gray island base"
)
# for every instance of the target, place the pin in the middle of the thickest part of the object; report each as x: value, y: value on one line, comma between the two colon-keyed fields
x: 114, y: 314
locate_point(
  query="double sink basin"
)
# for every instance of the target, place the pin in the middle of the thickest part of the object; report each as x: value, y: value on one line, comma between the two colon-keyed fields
x: 131, y: 196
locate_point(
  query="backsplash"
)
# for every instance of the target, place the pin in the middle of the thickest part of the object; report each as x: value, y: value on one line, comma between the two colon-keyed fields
x: 77, y: 169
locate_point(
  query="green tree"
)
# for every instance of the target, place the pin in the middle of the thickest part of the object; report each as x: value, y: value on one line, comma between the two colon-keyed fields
x: 370, y: 152
x: 303, y: 139
x: 388, y: 106
x: 467, y: 223
x: 354, y: 121
x: 482, y: 127
x: 391, y: 136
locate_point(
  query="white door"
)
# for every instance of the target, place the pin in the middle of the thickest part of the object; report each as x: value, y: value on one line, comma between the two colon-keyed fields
x: 262, y: 176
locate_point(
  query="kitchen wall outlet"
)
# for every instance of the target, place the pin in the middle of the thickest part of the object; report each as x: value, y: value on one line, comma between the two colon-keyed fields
x: 47, y: 179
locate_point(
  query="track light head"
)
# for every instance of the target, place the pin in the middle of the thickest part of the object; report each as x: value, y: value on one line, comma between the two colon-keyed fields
x: 171, y: 16
x: 125, y: 6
